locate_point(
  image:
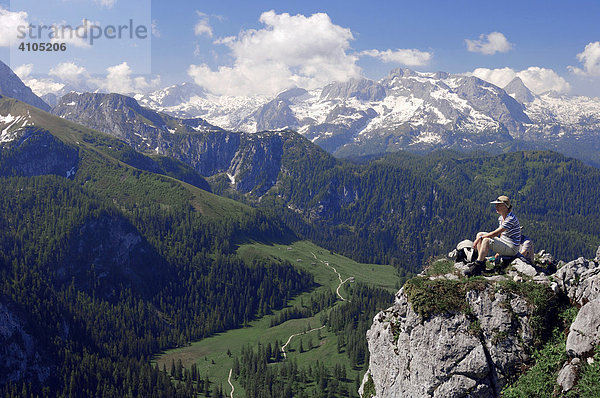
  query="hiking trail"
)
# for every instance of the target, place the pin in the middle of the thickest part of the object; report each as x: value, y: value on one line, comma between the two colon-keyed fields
x: 229, y: 381
x: 294, y: 335
x: 339, y: 276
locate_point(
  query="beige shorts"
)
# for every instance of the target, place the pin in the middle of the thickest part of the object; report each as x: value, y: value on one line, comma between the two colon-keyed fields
x: 503, y: 248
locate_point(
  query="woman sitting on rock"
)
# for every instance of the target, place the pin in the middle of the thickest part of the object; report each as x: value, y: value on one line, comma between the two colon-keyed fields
x: 505, y: 240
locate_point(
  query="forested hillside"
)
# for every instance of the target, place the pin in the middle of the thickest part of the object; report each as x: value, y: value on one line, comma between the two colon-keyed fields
x: 107, y: 266
x: 405, y: 208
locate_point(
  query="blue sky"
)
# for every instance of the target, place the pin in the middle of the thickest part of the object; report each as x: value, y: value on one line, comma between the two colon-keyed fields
x: 262, y: 47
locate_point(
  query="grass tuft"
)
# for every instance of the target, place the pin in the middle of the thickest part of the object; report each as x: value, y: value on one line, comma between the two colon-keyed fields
x: 440, y: 296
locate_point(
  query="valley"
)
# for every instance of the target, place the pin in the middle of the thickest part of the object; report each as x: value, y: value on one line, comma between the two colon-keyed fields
x: 211, y: 355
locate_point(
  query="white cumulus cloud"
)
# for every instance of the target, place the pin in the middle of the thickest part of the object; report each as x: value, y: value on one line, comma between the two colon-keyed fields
x: 408, y: 57
x: 68, y: 76
x: 38, y: 86
x: 489, y: 44
x: 23, y: 71
x: 291, y: 50
x: 9, y: 25
x: 499, y: 77
x: 78, y: 36
x: 203, y: 27
x: 70, y: 72
x: 538, y: 80
x: 119, y: 80
x: 44, y: 86
x: 590, y: 58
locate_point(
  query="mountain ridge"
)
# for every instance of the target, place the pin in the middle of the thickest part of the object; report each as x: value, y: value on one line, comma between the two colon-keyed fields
x: 12, y: 86
x: 415, y: 111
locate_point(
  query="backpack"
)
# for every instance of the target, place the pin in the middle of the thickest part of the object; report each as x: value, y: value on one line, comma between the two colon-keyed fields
x: 464, y: 252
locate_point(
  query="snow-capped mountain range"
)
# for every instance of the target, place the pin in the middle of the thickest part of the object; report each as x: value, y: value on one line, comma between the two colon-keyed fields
x: 405, y: 110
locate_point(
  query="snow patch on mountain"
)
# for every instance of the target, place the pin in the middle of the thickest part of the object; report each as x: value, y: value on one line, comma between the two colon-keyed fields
x: 553, y: 108
x: 11, y: 125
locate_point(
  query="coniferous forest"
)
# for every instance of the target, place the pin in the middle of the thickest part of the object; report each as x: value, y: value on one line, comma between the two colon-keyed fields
x: 98, y: 314
x: 105, y: 270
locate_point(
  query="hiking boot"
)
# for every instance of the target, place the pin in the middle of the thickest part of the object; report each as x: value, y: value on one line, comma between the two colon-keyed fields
x: 475, y: 268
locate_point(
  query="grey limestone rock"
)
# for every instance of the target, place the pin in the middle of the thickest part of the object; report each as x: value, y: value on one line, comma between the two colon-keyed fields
x: 579, y: 280
x: 524, y: 268
x: 275, y: 115
x: 517, y: 89
x: 361, y: 89
x: 585, y: 330
x: 545, y: 258
x: 567, y: 377
x: 451, y: 354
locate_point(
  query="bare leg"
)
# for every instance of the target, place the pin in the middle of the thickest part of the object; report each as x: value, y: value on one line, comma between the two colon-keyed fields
x: 483, y: 248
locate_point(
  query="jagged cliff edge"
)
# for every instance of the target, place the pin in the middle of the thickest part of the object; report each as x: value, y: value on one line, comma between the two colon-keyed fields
x: 448, y: 336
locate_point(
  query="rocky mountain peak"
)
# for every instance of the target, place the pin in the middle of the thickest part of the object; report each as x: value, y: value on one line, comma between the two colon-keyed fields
x: 176, y: 94
x: 292, y: 93
x: 275, y: 115
x: 402, y: 72
x: 361, y: 89
x: 12, y: 86
x: 517, y: 89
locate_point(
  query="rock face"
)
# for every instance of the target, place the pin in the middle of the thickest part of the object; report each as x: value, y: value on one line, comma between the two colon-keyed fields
x: 475, y: 348
x: 579, y: 280
x: 19, y: 351
x: 275, y: 115
x: 585, y: 330
x: 108, y: 254
x: 519, y: 91
x: 12, y: 86
x: 251, y: 162
x: 452, y: 354
x: 34, y: 151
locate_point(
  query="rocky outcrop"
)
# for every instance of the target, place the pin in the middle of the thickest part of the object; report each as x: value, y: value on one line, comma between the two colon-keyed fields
x: 447, y: 336
x: 471, y: 350
x: 579, y: 280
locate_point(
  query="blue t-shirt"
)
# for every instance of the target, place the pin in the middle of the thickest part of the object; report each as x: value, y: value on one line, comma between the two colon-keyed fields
x: 512, y: 227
